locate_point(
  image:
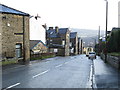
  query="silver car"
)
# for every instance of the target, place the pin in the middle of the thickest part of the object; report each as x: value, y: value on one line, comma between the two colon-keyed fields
x: 92, y: 55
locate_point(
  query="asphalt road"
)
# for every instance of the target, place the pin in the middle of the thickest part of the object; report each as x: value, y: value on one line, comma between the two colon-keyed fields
x: 62, y: 72
x: 58, y: 72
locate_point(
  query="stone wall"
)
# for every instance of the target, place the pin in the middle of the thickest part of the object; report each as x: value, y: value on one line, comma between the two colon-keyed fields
x: 67, y: 43
x: 0, y: 37
x: 14, y: 31
x: 112, y: 60
x: 26, y: 39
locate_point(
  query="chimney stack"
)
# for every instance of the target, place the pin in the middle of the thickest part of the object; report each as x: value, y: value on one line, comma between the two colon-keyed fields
x: 56, y: 29
x: 50, y: 28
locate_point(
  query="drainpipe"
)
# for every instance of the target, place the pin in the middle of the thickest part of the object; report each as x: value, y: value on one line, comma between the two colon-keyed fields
x: 23, y: 40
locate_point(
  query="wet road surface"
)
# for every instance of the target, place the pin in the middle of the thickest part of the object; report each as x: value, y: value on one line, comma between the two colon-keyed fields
x: 105, y: 75
x: 58, y: 72
x: 62, y: 72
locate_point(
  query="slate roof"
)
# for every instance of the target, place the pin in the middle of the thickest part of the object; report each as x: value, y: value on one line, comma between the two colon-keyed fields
x: 9, y: 10
x: 53, y: 34
x: 63, y: 30
x: 33, y: 43
x: 73, y: 34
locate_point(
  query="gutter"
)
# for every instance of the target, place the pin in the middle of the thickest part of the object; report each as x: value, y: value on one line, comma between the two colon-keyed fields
x: 91, y: 82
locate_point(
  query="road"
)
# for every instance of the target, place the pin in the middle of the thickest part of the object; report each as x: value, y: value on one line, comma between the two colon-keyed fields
x: 58, y: 72
x: 61, y: 72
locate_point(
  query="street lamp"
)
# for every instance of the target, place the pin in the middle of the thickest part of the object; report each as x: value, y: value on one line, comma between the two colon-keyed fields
x: 106, y: 31
x: 36, y: 17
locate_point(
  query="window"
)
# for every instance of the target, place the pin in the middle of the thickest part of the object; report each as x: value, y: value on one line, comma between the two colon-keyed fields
x: 18, y: 50
x: 70, y: 44
x: 55, y: 50
x: 51, y: 32
x: 51, y: 40
x: 63, y: 42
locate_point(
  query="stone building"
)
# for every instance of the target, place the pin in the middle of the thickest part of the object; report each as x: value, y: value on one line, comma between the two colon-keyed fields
x: 58, y: 40
x: 74, y: 43
x: 80, y: 46
x: 14, y: 33
x: 37, y: 46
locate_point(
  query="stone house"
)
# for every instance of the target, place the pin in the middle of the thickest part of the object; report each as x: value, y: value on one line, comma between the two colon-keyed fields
x: 58, y: 40
x: 73, y: 43
x: 80, y: 46
x: 37, y: 46
x: 14, y: 33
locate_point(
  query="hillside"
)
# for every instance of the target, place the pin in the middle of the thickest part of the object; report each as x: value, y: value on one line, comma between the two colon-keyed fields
x: 88, y: 36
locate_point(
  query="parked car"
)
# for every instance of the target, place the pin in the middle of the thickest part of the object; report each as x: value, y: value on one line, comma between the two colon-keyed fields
x: 92, y: 55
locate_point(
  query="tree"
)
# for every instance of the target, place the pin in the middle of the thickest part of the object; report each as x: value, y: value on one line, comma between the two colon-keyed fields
x: 114, y: 41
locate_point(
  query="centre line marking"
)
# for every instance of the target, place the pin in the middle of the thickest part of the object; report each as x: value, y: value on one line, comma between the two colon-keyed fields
x: 40, y: 74
x: 66, y: 62
x: 12, y: 86
x: 59, y: 65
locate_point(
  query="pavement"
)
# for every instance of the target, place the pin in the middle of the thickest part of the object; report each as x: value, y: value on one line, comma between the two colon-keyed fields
x: 106, y: 76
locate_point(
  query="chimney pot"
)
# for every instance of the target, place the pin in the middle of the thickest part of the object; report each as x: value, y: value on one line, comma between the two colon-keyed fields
x: 50, y: 28
x: 57, y: 29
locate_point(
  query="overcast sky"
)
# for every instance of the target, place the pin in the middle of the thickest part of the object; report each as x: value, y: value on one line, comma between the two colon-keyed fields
x: 83, y: 14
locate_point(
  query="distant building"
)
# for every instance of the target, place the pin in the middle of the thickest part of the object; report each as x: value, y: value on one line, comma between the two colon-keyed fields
x: 87, y: 50
x: 37, y: 46
x: 14, y: 33
x: 74, y: 43
x: 80, y: 46
x: 58, y: 40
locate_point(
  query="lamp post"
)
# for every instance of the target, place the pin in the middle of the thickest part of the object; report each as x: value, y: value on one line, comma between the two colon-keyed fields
x: 106, y: 31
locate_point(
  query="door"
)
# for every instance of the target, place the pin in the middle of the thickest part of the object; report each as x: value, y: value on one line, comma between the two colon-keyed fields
x: 18, y: 50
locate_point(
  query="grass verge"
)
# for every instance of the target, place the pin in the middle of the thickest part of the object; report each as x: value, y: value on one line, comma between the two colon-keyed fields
x: 42, y: 57
x: 114, y: 54
x: 8, y: 62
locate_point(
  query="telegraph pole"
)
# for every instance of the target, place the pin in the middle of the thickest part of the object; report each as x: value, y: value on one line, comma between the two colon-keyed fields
x: 99, y: 41
x: 106, y: 31
x: 98, y: 34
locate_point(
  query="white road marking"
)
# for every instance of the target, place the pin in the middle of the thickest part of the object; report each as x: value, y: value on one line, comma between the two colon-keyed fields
x: 47, y: 62
x: 41, y: 73
x: 66, y: 62
x: 58, y: 65
x: 12, y: 86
